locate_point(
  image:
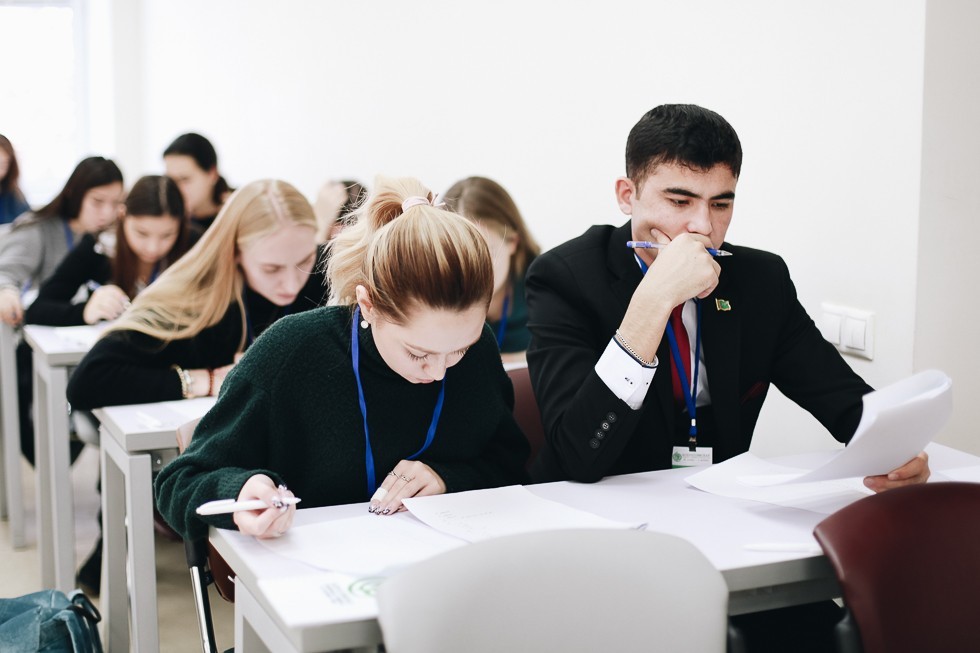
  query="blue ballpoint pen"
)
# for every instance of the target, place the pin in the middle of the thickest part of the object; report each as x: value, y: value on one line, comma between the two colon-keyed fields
x: 646, y: 244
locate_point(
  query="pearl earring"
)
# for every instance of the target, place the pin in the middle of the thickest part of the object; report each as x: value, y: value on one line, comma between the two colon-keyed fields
x: 364, y: 324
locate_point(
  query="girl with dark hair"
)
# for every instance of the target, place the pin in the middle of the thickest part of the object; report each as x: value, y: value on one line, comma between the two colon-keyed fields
x: 192, y: 162
x: 12, y: 202
x: 116, y: 266
x: 395, y: 390
x: 89, y: 203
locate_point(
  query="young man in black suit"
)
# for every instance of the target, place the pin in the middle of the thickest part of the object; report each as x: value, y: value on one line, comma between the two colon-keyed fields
x: 600, y: 358
x: 612, y: 328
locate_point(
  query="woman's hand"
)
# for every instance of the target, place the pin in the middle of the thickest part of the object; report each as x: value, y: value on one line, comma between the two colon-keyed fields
x: 268, y: 522
x: 106, y: 303
x: 409, y: 478
x: 11, y: 310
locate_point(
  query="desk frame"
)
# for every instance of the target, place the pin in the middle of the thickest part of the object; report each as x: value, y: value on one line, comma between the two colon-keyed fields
x: 11, y: 489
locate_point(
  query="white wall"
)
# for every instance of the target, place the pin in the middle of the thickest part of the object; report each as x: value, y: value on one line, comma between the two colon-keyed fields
x: 826, y: 97
x: 947, y: 311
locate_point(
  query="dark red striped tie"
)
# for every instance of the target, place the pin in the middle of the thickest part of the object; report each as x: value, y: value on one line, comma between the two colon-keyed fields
x: 684, y: 346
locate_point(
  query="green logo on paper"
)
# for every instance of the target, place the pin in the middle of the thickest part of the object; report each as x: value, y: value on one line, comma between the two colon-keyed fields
x: 677, y: 457
x: 365, y: 587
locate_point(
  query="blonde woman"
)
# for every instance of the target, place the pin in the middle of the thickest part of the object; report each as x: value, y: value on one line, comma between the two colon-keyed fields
x: 395, y: 390
x: 257, y: 263
x: 512, y: 248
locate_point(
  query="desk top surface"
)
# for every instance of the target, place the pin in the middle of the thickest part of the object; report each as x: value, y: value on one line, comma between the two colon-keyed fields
x: 150, y: 427
x: 62, y: 346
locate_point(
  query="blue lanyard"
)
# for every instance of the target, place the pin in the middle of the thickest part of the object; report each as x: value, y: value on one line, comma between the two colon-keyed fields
x: 430, y: 435
x: 688, y: 390
x: 155, y: 273
x: 69, y: 235
x: 502, y: 327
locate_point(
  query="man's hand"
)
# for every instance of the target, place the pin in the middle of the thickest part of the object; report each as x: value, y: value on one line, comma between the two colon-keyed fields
x: 914, y: 471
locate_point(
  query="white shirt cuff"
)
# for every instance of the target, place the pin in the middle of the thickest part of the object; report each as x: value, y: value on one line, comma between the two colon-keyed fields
x: 624, y: 375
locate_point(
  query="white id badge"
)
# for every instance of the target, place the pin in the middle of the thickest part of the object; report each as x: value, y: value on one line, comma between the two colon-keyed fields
x: 684, y: 457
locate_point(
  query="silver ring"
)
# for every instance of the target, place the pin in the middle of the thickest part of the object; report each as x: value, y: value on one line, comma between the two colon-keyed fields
x: 405, y: 478
x: 392, y: 473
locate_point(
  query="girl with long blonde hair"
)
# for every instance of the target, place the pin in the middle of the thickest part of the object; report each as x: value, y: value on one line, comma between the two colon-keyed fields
x: 182, y: 334
x: 395, y: 390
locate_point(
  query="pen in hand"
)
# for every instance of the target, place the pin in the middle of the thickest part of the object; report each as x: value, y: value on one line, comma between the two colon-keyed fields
x: 646, y: 244
x: 225, y: 506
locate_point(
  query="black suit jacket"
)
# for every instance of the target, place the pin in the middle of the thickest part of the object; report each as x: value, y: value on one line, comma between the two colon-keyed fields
x: 577, y: 295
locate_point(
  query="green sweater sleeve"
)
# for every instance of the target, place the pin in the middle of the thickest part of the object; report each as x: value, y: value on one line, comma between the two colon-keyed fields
x: 227, y: 449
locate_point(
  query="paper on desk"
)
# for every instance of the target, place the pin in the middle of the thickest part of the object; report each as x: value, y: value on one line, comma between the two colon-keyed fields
x: 322, y: 596
x: 897, y: 423
x: 362, y: 546
x: 482, y: 514
x: 725, y: 479
x: 81, y: 335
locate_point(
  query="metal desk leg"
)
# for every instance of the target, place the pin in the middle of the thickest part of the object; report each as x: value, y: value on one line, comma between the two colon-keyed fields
x: 12, y: 492
x: 130, y: 584
x: 56, y: 509
x: 115, y: 607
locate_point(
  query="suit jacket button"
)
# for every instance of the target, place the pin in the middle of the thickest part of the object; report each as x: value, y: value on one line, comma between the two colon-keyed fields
x: 605, y: 426
x: 599, y: 435
x: 611, y: 417
x: 594, y: 443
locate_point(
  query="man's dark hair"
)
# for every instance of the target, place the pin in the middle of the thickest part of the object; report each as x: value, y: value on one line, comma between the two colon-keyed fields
x: 684, y: 134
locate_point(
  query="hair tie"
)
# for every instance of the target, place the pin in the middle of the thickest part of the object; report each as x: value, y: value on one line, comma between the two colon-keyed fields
x: 415, y: 200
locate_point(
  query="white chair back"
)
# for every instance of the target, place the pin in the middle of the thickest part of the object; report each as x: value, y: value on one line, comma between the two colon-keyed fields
x: 577, y: 590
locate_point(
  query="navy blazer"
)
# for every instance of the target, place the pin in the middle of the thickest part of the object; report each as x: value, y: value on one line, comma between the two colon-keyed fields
x: 577, y: 295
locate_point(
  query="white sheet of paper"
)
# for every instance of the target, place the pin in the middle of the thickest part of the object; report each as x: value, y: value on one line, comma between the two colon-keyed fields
x: 728, y: 479
x: 483, y: 514
x: 83, y: 335
x: 362, y: 546
x: 314, y: 598
x: 897, y: 423
x: 967, y: 474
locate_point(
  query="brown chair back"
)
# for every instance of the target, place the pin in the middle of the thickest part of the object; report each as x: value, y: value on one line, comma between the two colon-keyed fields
x: 526, y: 412
x: 908, y: 562
x: 223, y: 575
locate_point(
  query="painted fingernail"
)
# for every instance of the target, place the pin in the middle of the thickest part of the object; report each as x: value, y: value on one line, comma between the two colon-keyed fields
x: 386, y: 511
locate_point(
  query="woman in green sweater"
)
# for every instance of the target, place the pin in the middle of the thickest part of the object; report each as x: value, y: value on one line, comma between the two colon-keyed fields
x: 395, y: 390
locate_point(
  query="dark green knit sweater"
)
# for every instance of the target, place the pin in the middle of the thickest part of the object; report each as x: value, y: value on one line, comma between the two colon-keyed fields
x: 289, y: 409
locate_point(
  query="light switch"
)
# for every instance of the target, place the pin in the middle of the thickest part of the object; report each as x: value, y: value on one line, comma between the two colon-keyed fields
x: 851, y: 330
x: 854, y: 331
x: 830, y: 327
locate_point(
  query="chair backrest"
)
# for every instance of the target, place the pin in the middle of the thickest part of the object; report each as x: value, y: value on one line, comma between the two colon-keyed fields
x: 908, y: 563
x: 526, y: 412
x: 184, y: 434
x: 569, y: 590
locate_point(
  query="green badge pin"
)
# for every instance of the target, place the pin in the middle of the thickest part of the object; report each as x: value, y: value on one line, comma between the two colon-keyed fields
x: 723, y: 305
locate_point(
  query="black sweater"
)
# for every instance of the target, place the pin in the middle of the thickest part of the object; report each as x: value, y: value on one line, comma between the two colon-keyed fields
x: 53, y: 304
x: 290, y: 410
x: 128, y: 367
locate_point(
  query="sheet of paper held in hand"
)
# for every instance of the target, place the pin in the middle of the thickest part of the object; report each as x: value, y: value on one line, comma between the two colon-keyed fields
x: 897, y: 423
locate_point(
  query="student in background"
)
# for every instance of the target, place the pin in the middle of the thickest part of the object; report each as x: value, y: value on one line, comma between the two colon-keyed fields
x: 334, y: 203
x: 181, y: 336
x: 192, y: 162
x: 115, y: 266
x: 512, y: 247
x: 89, y: 203
x: 395, y: 390
x: 12, y: 202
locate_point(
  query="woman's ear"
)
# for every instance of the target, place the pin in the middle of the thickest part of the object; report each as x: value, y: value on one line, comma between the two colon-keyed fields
x: 364, y: 301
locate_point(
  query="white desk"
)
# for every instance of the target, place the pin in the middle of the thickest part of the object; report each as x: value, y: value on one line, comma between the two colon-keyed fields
x: 55, y: 349
x: 720, y: 527
x: 136, y: 441
x: 11, y: 489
